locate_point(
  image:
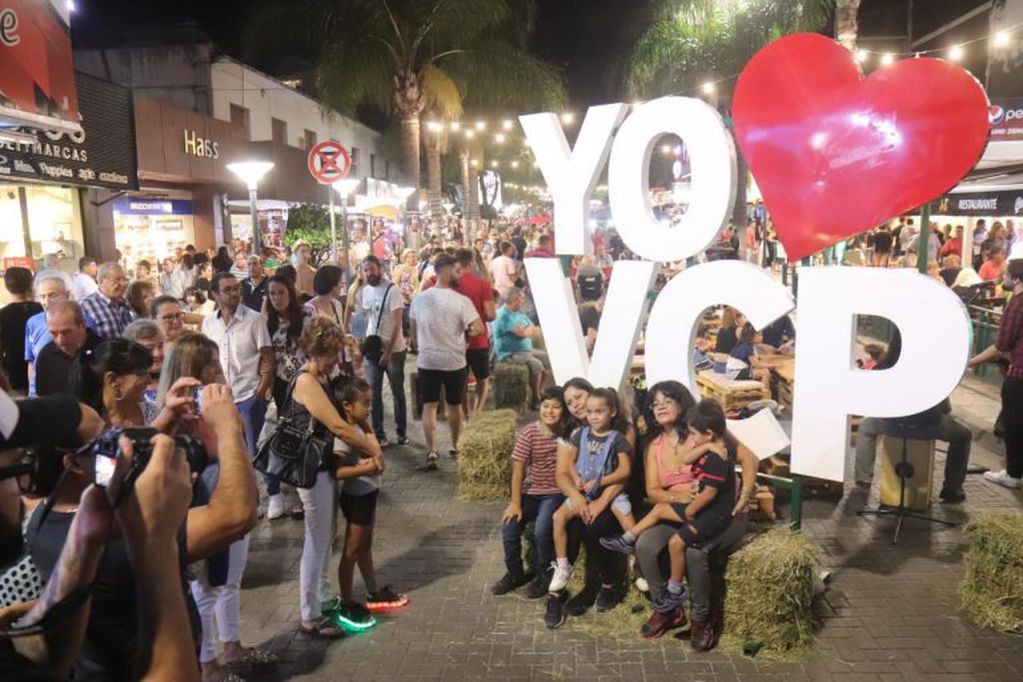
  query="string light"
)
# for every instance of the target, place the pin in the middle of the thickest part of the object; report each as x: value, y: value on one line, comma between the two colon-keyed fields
x: 508, y: 124
x: 514, y: 164
x: 481, y: 125
x: 499, y: 138
x: 861, y: 56
x: 494, y: 164
x: 1001, y: 39
x: 469, y: 134
x: 955, y: 53
x: 455, y: 126
x: 568, y: 118
x: 708, y: 88
x: 887, y: 58
x: 475, y: 163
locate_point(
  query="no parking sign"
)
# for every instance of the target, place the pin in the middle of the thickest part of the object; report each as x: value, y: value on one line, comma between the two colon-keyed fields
x: 329, y: 162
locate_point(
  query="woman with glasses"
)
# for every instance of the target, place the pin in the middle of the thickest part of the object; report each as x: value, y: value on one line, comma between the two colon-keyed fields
x: 668, y: 480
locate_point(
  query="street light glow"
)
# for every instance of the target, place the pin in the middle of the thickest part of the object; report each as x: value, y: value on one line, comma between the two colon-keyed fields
x: 708, y: 88
x: 568, y: 118
x: 250, y: 172
x: 1001, y: 39
x: 955, y: 53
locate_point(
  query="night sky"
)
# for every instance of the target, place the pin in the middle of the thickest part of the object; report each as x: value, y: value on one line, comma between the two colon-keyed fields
x: 588, y: 38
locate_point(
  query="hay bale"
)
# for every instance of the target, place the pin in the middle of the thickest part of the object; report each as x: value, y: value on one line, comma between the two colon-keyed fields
x: 484, y: 456
x: 991, y: 593
x: 769, y: 595
x: 511, y: 386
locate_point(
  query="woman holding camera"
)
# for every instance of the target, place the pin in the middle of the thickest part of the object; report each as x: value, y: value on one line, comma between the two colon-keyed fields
x: 195, y: 361
x: 322, y: 341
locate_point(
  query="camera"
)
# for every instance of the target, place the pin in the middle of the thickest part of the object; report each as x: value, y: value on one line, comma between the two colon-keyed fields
x: 106, y: 451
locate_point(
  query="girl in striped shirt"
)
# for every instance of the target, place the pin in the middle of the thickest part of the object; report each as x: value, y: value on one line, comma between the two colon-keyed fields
x: 535, y: 496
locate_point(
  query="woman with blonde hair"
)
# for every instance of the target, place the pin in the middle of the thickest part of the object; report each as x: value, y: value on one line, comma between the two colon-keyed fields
x: 217, y: 588
x: 310, y: 400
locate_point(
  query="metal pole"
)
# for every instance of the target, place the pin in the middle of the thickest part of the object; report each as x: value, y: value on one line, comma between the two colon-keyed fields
x: 923, y: 238
x: 333, y: 226
x: 257, y: 238
x: 344, y: 229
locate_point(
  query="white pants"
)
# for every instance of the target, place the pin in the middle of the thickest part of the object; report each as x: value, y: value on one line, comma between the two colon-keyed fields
x: 221, y: 603
x: 319, y: 504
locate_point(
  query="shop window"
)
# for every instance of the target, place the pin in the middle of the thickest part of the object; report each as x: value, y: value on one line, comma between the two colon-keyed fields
x: 355, y: 162
x: 372, y: 165
x: 310, y: 140
x: 12, y: 238
x: 240, y: 117
x: 279, y: 131
x: 54, y: 220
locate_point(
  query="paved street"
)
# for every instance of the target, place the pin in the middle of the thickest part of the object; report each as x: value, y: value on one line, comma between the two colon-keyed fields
x: 890, y: 614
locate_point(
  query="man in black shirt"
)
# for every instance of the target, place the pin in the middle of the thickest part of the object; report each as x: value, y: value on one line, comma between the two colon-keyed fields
x: 254, y: 286
x: 13, y: 318
x: 57, y: 368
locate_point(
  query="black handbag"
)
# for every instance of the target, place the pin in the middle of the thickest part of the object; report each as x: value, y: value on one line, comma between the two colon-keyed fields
x: 373, y: 345
x: 293, y: 454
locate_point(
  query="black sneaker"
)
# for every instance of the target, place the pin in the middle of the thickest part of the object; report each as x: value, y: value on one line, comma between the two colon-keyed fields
x: 952, y: 496
x: 554, y: 612
x: 581, y: 602
x: 355, y: 617
x: 453, y: 453
x: 508, y: 582
x: 618, y: 543
x: 385, y: 599
x: 607, y: 598
x: 403, y: 440
x: 538, y: 587
x: 382, y: 440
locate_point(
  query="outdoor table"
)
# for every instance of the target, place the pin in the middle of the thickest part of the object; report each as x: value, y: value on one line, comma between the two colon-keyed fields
x: 732, y: 394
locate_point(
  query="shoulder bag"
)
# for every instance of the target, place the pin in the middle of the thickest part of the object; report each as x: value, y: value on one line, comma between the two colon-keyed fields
x: 293, y: 454
x: 373, y: 344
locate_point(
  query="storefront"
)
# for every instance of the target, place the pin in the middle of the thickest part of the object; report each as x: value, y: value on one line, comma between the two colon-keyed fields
x: 46, y: 185
x: 150, y: 229
x: 967, y: 208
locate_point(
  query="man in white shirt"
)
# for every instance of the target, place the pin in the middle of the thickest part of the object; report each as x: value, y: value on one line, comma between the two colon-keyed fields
x: 505, y: 269
x: 379, y: 300
x: 85, y: 279
x: 246, y: 354
x: 441, y: 317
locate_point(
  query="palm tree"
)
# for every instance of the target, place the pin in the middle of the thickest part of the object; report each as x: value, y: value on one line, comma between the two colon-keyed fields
x: 846, y: 24
x: 690, y: 42
x: 403, y: 56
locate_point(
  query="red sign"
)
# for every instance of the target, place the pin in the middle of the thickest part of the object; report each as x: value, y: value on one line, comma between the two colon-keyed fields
x: 329, y: 162
x: 37, y: 78
x: 18, y: 262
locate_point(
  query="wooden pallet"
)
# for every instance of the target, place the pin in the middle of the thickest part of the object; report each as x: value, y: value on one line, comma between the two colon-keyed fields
x: 733, y: 395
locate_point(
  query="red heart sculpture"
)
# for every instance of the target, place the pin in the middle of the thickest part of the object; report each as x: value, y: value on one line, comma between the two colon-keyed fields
x: 835, y: 153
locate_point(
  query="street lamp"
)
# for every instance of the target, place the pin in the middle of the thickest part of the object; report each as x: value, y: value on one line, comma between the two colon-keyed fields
x: 344, y: 188
x: 251, y: 172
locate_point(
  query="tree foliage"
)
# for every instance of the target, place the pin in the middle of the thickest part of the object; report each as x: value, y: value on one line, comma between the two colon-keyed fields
x: 693, y: 41
x: 311, y: 223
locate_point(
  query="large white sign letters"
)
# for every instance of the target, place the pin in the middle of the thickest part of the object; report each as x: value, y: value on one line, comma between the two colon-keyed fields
x: 828, y: 387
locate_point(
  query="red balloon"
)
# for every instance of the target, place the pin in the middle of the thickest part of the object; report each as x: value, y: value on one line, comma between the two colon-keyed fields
x: 835, y: 153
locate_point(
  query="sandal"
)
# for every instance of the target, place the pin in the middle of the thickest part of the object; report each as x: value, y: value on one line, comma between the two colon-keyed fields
x: 253, y: 656
x: 325, y: 628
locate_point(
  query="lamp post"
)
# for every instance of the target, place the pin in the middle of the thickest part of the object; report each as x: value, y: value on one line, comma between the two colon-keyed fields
x: 251, y: 172
x: 344, y: 188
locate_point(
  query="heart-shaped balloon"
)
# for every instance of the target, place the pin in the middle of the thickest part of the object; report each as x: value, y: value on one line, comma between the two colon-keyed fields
x: 835, y: 153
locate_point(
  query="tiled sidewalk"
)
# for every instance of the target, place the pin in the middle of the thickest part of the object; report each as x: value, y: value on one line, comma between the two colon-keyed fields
x: 890, y: 614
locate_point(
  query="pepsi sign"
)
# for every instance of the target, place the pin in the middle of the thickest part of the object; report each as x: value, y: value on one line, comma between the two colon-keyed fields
x: 996, y: 114
x: 1006, y: 117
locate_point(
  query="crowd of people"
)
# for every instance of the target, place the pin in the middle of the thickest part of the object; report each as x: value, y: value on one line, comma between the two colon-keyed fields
x: 144, y: 401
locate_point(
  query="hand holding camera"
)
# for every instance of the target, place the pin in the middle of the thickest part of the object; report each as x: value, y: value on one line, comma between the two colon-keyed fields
x: 163, y: 489
x: 218, y: 407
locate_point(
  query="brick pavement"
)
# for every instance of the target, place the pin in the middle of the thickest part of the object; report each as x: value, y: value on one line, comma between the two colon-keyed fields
x: 890, y: 613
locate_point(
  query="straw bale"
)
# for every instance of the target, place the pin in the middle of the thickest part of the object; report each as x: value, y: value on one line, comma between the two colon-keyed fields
x: 991, y: 594
x: 484, y: 459
x: 769, y: 596
x: 511, y: 386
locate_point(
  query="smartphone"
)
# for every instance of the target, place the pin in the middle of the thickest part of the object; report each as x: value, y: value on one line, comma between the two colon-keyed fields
x: 103, y: 467
x: 197, y: 397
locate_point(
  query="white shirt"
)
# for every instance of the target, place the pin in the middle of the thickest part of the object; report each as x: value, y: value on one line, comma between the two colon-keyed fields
x: 173, y: 284
x: 370, y: 299
x: 239, y: 343
x: 503, y: 269
x: 83, y: 285
x: 442, y: 317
